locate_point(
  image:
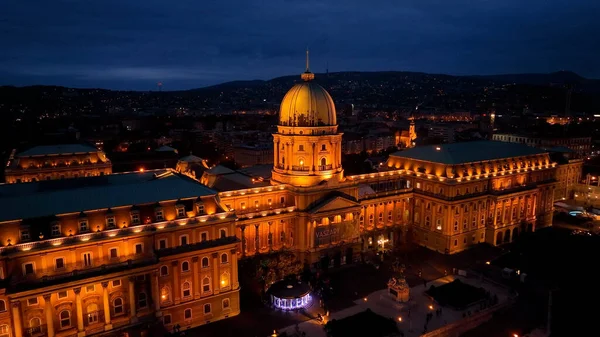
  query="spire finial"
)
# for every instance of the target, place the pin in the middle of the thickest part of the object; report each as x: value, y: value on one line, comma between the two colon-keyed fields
x: 307, y: 61
x: 307, y: 75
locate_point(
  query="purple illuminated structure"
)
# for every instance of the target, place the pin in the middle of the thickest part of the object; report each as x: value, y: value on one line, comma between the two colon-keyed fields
x: 290, y: 295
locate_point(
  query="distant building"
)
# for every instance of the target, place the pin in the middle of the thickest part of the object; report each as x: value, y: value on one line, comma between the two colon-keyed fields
x: 406, y: 138
x: 582, y: 146
x: 248, y: 155
x: 51, y: 162
x: 443, y: 132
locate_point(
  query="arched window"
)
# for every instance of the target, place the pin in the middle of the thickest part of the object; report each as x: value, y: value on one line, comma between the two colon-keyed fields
x: 65, y: 319
x: 118, y: 306
x: 4, y: 331
x: 323, y: 161
x: 164, y: 271
x: 206, y: 284
x: 225, y: 303
x: 187, y: 314
x: 2, y: 306
x: 224, y: 258
x: 223, y: 233
x: 142, y: 300
x: 205, y: 262
x: 185, y: 266
x: 225, y: 279
x: 35, y: 322
x: 165, y: 294
x: 92, y: 313
x: 186, y: 289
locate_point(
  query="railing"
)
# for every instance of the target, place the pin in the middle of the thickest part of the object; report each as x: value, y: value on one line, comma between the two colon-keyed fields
x: 299, y: 168
x: 449, y: 198
x: 325, y: 167
x: 35, y: 331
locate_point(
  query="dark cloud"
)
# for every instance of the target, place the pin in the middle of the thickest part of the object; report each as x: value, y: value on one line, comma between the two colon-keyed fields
x: 133, y: 44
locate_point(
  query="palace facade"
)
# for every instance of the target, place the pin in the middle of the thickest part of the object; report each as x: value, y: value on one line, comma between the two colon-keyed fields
x: 89, y: 255
x: 94, y: 254
x: 50, y: 162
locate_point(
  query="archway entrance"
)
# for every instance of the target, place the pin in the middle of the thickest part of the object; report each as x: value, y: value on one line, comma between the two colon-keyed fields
x: 498, y: 238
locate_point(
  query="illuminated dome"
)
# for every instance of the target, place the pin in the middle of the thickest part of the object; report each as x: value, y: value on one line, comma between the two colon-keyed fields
x: 307, y: 104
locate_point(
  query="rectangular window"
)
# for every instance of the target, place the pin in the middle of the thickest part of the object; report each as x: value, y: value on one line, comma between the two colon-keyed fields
x: 90, y: 289
x: 203, y: 236
x: 455, y: 242
x: 201, y: 208
x: 183, y: 240
x: 207, y: 308
x: 180, y: 212
x: 187, y: 314
x: 25, y: 235
x: 114, y: 253
x: 59, y: 263
x: 32, y: 301
x: 139, y: 248
x: 166, y: 319
x: 135, y: 218
x: 87, y: 259
x: 162, y: 244
x: 55, y: 230
x: 418, y: 185
x: 300, y: 147
x: 282, y: 200
x: 83, y: 226
x: 159, y: 215
x: 62, y: 294
x: 110, y: 222
x: 269, y: 201
x: 243, y: 205
x: 256, y: 203
x: 116, y: 283
x: 28, y: 269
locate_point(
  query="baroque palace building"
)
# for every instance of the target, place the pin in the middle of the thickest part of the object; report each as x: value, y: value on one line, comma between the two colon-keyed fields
x: 49, y: 162
x: 93, y: 254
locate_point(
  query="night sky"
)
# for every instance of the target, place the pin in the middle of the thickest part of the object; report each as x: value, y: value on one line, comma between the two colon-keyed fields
x: 133, y: 44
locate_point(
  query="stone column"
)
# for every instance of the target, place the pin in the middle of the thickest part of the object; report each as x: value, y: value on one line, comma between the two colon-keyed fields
x: 195, y: 280
x: 49, y: 315
x: 270, y: 237
x: 79, y: 306
x: 156, y: 293
x: 256, y: 239
x: 216, y: 279
x: 16, y: 315
x: 244, y: 243
x: 105, y: 301
x: 132, y: 306
x: 176, y: 285
x: 234, y: 267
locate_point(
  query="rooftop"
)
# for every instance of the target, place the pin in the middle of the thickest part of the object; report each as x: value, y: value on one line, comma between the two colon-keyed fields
x: 46, y: 150
x: 467, y: 152
x: 53, y: 197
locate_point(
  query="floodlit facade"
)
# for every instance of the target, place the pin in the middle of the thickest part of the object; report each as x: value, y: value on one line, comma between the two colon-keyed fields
x: 51, y: 162
x: 89, y: 255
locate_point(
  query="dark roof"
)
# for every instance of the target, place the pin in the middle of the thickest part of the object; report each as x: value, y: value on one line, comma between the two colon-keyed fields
x: 50, y: 197
x: 289, y: 289
x: 45, y: 150
x: 467, y: 152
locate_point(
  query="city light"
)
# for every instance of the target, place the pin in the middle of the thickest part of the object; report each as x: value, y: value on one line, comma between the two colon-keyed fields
x: 399, y: 319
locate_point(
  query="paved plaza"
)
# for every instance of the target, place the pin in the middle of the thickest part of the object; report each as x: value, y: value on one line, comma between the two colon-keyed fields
x: 411, y: 317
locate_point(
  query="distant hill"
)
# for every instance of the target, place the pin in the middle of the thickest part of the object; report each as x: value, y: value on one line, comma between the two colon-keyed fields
x: 550, y: 79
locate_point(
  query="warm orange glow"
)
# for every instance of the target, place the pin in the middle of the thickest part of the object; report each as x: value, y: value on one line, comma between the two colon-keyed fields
x: 141, y: 169
x: 399, y: 319
x: 365, y: 299
x: 431, y: 307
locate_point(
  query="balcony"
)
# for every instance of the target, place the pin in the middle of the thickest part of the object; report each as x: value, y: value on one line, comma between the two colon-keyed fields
x: 300, y: 168
x: 325, y: 167
x: 35, y: 331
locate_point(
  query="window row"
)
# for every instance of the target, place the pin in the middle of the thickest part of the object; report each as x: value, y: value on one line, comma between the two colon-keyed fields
x: 185, y: 238
x: 207, y: 309
x: 187, y: 288
x: 185, y: 265
x: 110, y: 221
x: 243, y: 205
x: 60, y: 263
